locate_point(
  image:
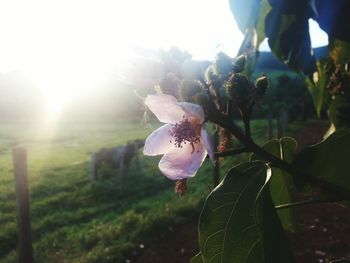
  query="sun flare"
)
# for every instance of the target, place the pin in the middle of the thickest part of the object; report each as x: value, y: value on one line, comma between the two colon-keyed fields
x: 69, y: 47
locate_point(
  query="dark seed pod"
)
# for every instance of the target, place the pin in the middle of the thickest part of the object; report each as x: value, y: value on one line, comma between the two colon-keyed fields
x: 239, y: 89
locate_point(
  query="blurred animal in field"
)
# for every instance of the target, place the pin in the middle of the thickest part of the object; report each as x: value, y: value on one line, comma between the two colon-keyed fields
x: 116, y: 158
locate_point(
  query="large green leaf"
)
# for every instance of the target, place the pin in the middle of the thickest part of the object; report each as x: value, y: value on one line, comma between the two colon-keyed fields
x: 288, y: 35
x: 197, y: 259
x: 284, y: 23
x: 239, y: 223
x: 333, y: 17
x: 328, y: 159
x: 265, y: 9
x: 280, y: 182
x: 245, y: 12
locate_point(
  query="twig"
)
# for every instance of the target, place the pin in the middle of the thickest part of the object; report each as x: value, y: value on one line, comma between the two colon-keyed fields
x: 339, y: 192
x: 307, y: 202
x: 232, y: 152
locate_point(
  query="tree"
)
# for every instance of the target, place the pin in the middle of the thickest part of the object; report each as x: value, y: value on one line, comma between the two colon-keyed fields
x: 239, y: 221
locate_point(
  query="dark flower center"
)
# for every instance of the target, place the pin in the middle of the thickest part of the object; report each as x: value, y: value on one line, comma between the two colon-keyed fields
x: 183, y: 132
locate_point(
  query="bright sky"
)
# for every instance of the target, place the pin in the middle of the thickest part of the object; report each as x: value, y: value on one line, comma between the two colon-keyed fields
x: 70, y: 45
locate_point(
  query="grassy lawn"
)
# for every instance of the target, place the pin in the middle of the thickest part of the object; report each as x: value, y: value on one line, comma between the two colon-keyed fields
x: 76, y: 221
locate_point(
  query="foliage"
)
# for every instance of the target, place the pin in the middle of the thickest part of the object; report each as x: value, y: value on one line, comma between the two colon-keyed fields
x: 281, y: 182
x: 226, y: 219
x: 285, y: 24
x: 238, y: 222
x: 328, y: 159
x: 233, y: 224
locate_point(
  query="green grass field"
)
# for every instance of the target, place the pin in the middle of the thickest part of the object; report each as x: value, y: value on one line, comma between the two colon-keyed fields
x: 76, y: 221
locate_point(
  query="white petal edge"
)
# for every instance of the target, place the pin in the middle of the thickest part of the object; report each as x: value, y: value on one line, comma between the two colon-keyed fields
x: 182, y: 163
x: 208, y: 144
x: 159, y: 141
x: 193, y: 110
x: 165, y: 107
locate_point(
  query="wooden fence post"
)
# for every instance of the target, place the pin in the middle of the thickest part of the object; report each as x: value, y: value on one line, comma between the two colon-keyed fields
x: 25, y: 248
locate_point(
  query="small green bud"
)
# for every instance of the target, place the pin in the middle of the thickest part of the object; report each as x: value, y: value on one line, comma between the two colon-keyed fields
x: 238, y: 88
x: 262, y: 83
x: 242, y: 93
x: 210, y: 73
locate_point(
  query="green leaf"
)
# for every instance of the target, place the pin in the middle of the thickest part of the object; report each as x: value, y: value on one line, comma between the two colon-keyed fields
x: 197, y: 259
x: 288, y: 35
x: 288, y: 148
x: 333, y: 17
x: 245, y: 12
x: 328, y: 159
x: 239, y: 223
x: 260, y: 27
x: 280, y: 182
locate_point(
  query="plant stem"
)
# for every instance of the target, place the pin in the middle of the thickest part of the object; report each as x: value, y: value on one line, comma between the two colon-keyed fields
x: 246, y: 122
x: 232, y: 152
x: 339, y: 192
x: 307, y: 202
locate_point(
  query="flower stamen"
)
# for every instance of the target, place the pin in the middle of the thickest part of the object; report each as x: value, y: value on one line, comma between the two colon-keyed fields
x: 183, y: 132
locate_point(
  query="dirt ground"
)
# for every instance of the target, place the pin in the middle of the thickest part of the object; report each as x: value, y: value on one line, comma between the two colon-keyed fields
x: 323, y: 236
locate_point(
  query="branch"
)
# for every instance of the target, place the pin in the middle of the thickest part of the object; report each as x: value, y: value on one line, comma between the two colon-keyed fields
x: 339, y: 192
x: 232, y: 152
x: 308, y: 202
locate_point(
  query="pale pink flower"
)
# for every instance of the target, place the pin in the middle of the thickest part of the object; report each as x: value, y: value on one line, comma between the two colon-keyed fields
x: 182, y: 140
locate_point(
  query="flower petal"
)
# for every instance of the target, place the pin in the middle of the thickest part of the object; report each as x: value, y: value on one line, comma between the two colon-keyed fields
x: 159, y: 141
x: 165, y: 107
x: 193, y: 110
x: 184, y: 162
x: 208, y: 144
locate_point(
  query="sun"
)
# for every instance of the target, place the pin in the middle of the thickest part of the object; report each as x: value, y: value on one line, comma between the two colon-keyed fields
x: 68, y: 47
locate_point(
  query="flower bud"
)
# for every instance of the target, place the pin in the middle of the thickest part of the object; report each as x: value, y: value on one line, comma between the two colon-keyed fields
x: 262, y: 83
x: 210, y: 73
x: 242, y: 93
x: 181, y: 187
x: 239, y: 88
x: 225, y: 140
